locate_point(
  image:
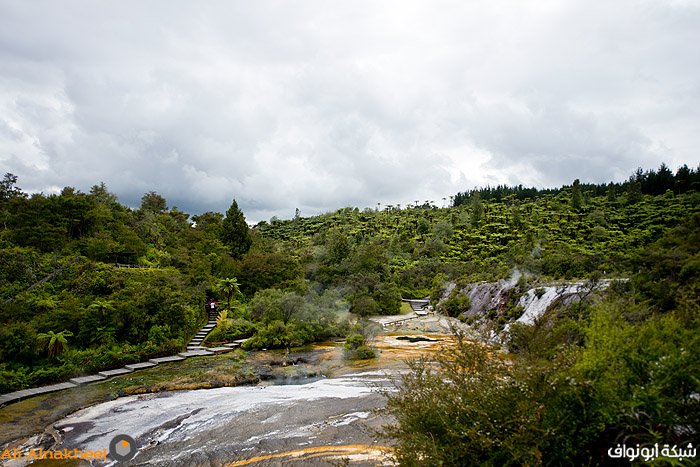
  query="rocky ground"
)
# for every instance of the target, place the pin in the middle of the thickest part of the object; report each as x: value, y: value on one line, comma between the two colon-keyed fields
x: 310, y: 406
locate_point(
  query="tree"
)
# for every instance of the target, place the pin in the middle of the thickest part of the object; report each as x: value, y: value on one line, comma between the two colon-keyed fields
x: 101, y: 305
x: 272, y: 305
x: 634, y: 193
x: 18, y: 343
x: 663, y: 181
x: 388, y: 298
x: 56, y: 341
x: 364, y: 305
x: 290, y: 305
x: 235, y: 232
x: 7, y: 187
x: 612, y: 195
x: 153, y: 202
x: 260, y: 270
x: 208, y: 220
x: 228, y: 287
x: 576, y: 195
x: 8, y: 191
x: 682, y: 179
x: 337, y: 246
x: 102, y: 195
x: 477, y: 208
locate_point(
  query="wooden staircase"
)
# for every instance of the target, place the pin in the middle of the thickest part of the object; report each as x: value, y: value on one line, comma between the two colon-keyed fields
x: 196, y: 342
x: 421, y: 307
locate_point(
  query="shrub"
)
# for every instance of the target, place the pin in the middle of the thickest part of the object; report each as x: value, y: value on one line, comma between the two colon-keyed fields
x: 364, y: 352
x: 238, y: 329
x: 552, y: 403
x: 12, y: 380
x: 475, y: 408
x: 356, y: 347
x: 105, y: 357
x: 365, y: 306
x: 354, y: 341
x: 45, y: 375
x: 456, y: 304
x: 275, y: 335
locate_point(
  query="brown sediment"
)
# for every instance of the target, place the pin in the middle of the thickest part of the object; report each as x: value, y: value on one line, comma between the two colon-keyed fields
x: 25, y: 418
x: 392, y: 353
x: 395, y: 349
x: 183, y: 385
x: 361, y: 452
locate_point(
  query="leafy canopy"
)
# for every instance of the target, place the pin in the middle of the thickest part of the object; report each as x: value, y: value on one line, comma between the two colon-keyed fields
x: 235, y: 232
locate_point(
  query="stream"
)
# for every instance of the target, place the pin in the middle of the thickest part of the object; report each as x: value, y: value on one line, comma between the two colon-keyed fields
x: 321, y: 409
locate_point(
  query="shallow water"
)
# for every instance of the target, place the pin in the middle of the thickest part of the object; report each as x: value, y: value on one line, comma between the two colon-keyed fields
x: 312, y: 421
x: 228, y: 424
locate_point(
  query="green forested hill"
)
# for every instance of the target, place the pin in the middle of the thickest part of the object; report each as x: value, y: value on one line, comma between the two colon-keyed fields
x: 300, y: 276
x: 551, y: 236
x: 92, y: 314
x: 620, y: 368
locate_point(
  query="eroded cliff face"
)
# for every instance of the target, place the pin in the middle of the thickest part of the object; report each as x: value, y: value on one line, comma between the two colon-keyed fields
x: 517, y: 303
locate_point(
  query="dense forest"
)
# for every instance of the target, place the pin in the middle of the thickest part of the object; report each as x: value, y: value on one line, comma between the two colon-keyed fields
x: 622, y: 367
x: 651, y: 182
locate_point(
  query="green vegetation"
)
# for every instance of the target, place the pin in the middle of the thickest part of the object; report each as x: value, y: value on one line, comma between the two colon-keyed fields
x: 456, y: 304
x: 228, y: 287
x: 622, y: 368
x: 557, y: 402
x: 613, y: 366
x: 359, y: 338
x: 70, y: 306
x: 356, y: 346
x: 234, y: 232
x: 56, y: 342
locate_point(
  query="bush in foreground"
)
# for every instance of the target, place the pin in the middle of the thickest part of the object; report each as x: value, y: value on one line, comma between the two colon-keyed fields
x: 474, y: 406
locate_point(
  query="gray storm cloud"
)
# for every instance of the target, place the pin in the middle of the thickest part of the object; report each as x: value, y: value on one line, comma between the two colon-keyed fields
x: 320, y: 106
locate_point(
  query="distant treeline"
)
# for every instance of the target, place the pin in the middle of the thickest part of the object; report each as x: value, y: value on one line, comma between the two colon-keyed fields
x: 651, y: 182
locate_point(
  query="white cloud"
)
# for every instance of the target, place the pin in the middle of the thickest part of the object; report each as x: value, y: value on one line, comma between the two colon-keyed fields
x: 320, y: 106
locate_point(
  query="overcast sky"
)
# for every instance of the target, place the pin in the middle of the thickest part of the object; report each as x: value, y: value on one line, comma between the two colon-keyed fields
x: 318, y: 105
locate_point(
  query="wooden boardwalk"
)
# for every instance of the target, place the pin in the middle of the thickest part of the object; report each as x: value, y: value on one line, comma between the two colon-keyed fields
x: 420, y: 307
x: 193, y: 350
